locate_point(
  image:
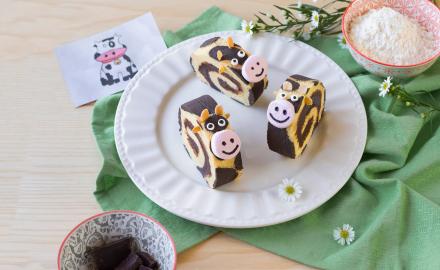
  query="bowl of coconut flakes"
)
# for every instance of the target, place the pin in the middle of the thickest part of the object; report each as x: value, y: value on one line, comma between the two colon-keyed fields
x: 399, y: 38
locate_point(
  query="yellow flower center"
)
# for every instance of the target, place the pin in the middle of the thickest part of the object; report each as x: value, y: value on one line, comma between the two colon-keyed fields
x: 385, y: 85
x: 344, y: 234
x: 316, y: 17
x: 248, y: 28
x: 290, y: 190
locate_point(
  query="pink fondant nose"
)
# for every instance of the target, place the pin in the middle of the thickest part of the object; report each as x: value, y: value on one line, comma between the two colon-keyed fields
x: 254, y: 69
x: 225, y: 144
x: 280, y: 113
x: 111, y: 55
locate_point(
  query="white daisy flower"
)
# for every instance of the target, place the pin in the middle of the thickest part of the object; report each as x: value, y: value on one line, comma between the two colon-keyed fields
x: 314, y: 19
x: 342, y: 42
x: 289, y: 190
x: 385, y: 86
x: 247, y: 27
x: 344, y: 235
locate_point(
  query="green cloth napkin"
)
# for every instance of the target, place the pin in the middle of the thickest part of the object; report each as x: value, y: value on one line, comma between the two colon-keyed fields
x: 392, y: 200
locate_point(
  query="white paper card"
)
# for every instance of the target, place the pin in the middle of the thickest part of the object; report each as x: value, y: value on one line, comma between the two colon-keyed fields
x: 104, y: 63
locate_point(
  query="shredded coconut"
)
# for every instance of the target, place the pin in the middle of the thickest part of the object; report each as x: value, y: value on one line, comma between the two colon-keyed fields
x: 388, y: 36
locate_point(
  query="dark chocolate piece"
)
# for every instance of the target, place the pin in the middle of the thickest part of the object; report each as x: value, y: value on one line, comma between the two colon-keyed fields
x: 148, y: 260
x: 257, y: 90
x: 132, y: 262
x: 301, y: 77
x: 209, y: 42
x: 196, y: 106
x: 238, y: 163
x: 225, y: 175
x: 278, y: 141
x: 112, y: 254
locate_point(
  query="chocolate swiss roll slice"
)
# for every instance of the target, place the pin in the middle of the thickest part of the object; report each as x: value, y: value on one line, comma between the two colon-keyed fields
x: 294, y: 115
x: 230, y: 69
x: 209, y: 140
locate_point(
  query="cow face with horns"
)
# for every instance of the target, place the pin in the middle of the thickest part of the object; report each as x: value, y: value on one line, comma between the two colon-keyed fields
x: 230, y: 69
x: 294, y: 115
x: 224, y: 143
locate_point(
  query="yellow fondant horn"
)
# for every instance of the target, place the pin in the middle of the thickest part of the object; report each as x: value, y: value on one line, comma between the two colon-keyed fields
x: 204, y: 115
x: 230, y: 42
x: 287, y: 86
x: 219, y: 55
x: 221, y: 69
x: 219, y: 110
x: 308, y: 100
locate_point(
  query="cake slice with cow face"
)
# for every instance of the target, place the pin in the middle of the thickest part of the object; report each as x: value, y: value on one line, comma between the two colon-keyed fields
x: 209, y: 140
x: 294, y: 115
x: 230, y: 69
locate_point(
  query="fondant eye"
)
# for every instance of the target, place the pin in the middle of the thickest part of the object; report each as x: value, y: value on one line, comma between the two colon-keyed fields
x: 221, y: 122
x: 210, y: 126
x: 283, y: 95
x: 294, y: 98
x: 234, y: 61
x: 241, y: 54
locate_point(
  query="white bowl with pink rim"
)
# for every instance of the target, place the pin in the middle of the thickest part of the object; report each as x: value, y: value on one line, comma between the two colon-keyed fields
x: 149, y: 235
x: 423, y: 11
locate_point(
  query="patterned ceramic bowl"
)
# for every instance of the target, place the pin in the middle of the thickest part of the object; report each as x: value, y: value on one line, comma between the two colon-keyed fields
x: 149, y: 234
x: 424, y: 11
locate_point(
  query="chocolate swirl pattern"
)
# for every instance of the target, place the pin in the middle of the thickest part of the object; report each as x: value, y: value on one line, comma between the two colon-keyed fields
x: 217, y: 163
x: 294, y: 115
x: 219, y: 63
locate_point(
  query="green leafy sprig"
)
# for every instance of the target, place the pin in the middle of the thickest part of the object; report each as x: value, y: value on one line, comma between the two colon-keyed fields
x: 299, y: 20
x: 420, y: 106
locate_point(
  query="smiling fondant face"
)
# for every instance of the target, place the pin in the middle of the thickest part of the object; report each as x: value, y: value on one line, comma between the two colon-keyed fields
x: 280, y: 113
x: 225, y: 144
x: 254, y: 69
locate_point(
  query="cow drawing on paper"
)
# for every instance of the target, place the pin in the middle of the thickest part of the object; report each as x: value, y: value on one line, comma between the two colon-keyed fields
x: 116, y: 65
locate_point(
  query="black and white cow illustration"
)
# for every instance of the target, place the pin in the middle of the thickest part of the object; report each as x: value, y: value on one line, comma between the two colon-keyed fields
x: 116, y: 65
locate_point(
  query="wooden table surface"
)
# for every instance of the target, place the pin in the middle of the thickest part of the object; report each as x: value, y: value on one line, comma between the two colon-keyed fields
x: 48, y: 156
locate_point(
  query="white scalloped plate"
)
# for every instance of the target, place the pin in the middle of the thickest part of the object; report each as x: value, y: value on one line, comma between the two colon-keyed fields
x: 150, y: 147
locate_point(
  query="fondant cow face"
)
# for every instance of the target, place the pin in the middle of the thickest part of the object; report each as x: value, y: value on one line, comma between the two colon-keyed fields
x: 216, y: 123
x: 109, y: 49
x: 225, y: 143
x: 253, y: 68
x: 281, y: 111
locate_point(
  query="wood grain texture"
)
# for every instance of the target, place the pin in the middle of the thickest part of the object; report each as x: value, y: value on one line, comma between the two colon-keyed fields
x: 48, y: 158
